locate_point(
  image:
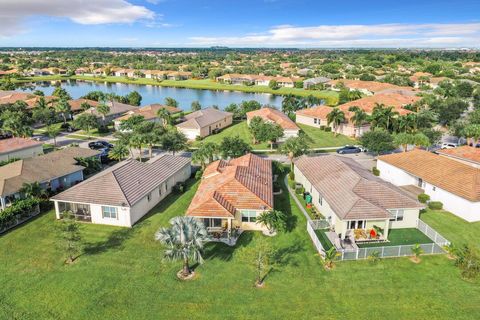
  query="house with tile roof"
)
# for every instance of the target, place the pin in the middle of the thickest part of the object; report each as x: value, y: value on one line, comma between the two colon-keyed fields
x: 117, y: 109
x: 452, y: 182
x: 365, y: 87
x: 317, y: 115
x: 122, y: 194
x: 149, y: 113
x: 54, y: 171
x: 353, y: 200
x: 204, y: 122
x: 233, y: 193
x: 19, y: 148
x: 290, y: 128
x: 465, y: 154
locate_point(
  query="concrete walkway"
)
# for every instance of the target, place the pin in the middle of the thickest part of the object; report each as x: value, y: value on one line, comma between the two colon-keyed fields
x: 294, y: 196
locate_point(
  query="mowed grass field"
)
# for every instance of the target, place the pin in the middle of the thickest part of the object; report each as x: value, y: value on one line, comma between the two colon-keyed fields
x: 319, y: 138
x: 122, y: 275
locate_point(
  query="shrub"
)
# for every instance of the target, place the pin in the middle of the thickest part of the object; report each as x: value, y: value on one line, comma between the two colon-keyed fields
x: 291, y: 176
x: 103, y: 129
x: 299, y: 190
x: 375, y: 171
x: 198, y: 138
x: 277, y: 167
x: 435, y: 205
x: 291, y: 184
x: 468, y: 260
x: 322, y: 127
x: 328, y: 129
x: 198, y: 174
x: 423, y: 198
x: 179, y: 187
x: 17, y: 210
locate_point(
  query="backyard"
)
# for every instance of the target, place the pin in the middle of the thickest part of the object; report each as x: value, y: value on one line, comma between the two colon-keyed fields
x: 320, y: 139
x: 122, y: 275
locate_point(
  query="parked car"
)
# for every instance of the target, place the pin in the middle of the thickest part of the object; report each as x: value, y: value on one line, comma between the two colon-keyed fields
x: 449, y: 145
x: 349, y: 149
x: 5, y: 135
x: 362, y: 148
x: 100, y: 144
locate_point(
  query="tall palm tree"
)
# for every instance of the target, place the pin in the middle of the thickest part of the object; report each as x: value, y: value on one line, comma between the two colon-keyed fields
x: 103, y: 109
x: 164, y: 115
x: 184, y: 241
x: 382, y: 117
x: 359, y: 117
x: 294, y: 147
x: 335, y: 117
x: 205, y: 153
x: 63, y: 108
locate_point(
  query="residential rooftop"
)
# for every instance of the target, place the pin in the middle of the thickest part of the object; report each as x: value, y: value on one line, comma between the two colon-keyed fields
x: 16, y: 143
x: 274, y: 115
x: 202, y: 118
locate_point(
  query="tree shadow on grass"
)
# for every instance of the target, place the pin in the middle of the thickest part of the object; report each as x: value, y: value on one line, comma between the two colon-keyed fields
x: 285, y: 256
x: 115, y: 240
x: 221, y: 251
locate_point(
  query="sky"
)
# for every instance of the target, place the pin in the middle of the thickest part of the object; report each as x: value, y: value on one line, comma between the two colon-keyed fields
x: 240, y: 23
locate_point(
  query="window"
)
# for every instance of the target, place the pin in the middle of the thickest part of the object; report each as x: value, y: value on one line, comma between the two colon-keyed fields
x: 397, y: 214
x: 109, y: 212
x: 320, y: 199
x: 315, y: 120
x: 357, y: 224
x: 212, y: 222
x: 434, y: 188
x: 249, y: 216
x: 149, y: 197
x: 160, y: 191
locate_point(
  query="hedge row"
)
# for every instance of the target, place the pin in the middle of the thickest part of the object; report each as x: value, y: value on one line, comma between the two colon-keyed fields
x: 19, y: 209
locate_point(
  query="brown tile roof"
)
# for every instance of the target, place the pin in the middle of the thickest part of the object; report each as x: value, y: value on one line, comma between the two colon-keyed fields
x: 398, y: 101
x: 76, y: 104
x: 451, y: 175
x: 41, y: 168
x: 14, y: 144
x: 116, y: 108
x: 202, y: 118
x: 372, y: 86
x: 352, y: 191
x: 274, y: 115
x: 228, y: 186
x: 465, y: 153
x: 149, y: 112
x: 127, y: 182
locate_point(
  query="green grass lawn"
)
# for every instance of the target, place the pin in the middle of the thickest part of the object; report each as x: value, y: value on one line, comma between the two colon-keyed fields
x: 122, y: 275
x: 398, y: 237
x: 322, y: 236
x: 330, y: 97
x: 320, y: 139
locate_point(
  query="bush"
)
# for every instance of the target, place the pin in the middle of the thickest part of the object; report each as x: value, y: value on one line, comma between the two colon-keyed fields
x: 277, y: 167
x: 198, y: 138
x: 423, y: 198
x: 291, y: 184
x: 299, y: 190
x: 322, y: 127
x: 291, y: 176
x: 18, y: 209
x: 179, y: 187
x: 435, y: 205
x: 328, y: 129
x: 375, y: 171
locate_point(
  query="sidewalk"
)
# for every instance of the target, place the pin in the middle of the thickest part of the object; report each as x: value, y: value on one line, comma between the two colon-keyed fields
x: 294, y: 196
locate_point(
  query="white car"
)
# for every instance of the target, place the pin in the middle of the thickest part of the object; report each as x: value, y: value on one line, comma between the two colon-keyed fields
x: 449, y: 145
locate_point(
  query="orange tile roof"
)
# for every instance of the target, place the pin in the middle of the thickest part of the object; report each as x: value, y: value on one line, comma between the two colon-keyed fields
x: 76, y: 104
x: 228, y: 186
x: 13, y: 144
x: 149, y: 112
x: 373, y: 86
x: 451, y: 175
x: 396, y: 100
x: 466, y: 153
x: 274, y: 115
x: 320, y: 112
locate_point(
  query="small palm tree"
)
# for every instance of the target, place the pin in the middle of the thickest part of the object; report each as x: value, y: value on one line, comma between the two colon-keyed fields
x: 451, y: 250
x: 274, y: 220
x: 329, y: 258
x: 417, y: 251
x: 336, y: 117
x: 164, y: 115
x: 53, y: 131
x: 359, y: 117
x: 294, y: 147
x: 184, y: 241
x: 63, y: 108
x: 118, y: 152
x: 33, y: 190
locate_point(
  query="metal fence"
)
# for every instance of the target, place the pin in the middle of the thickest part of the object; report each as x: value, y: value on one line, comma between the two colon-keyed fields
x: 381, y: 251
x: 311, y: 227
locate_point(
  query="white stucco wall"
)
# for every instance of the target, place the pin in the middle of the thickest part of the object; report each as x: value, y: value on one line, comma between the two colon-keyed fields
x: 461, y: 207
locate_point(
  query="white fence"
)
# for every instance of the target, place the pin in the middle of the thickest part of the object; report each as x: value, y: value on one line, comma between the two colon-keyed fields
x: 382, y: 251
x: 311, y: 227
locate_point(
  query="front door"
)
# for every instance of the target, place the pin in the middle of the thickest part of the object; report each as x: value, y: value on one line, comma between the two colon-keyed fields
x: 420, y: 182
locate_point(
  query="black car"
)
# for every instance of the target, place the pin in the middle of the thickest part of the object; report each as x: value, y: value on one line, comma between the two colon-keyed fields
x: 97, y: 145
x: 349, y: 149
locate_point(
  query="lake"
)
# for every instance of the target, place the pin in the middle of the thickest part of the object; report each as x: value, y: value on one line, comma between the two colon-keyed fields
x: 157, y: 94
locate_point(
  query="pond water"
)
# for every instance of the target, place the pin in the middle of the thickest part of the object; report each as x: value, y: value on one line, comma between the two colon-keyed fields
x: 157, y: 94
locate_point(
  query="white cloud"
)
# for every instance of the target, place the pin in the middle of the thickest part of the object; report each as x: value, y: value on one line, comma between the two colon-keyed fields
x: 13, y: 13
x: 380, y: 35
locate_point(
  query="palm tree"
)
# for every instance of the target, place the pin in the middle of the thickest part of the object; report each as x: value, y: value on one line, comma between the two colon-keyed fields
x: 359, y: 117
x: 205, y: 153
x: 184, y: 240
x: 383, y: 116
x: 164, y: 115
x: 417, y: 251
x: 329, y: 258
x: 335, y: 117
x: 294, y: 147
x: 274, y: 220
x: 421, y: 140
x: 33, y: 190
x: 403, y: 139
x: 53, y: 131
x: 118, y: 152
x: 103, y: 109
x: 63, y: 108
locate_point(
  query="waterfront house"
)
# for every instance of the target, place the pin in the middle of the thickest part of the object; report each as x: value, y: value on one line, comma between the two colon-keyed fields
x: 290, y: 129
x: 204, y: 122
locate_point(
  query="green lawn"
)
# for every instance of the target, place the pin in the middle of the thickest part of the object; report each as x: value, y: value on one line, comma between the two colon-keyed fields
x: 320, y: 139
x: 398, y: 237
x: 121, y: 276
x: 322, y: 236
x: 330, y: 97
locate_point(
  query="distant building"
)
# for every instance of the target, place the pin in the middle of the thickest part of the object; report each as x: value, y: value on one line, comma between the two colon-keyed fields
x: 149, y: 113
x: 19, y: 148
x: 312, y: 82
